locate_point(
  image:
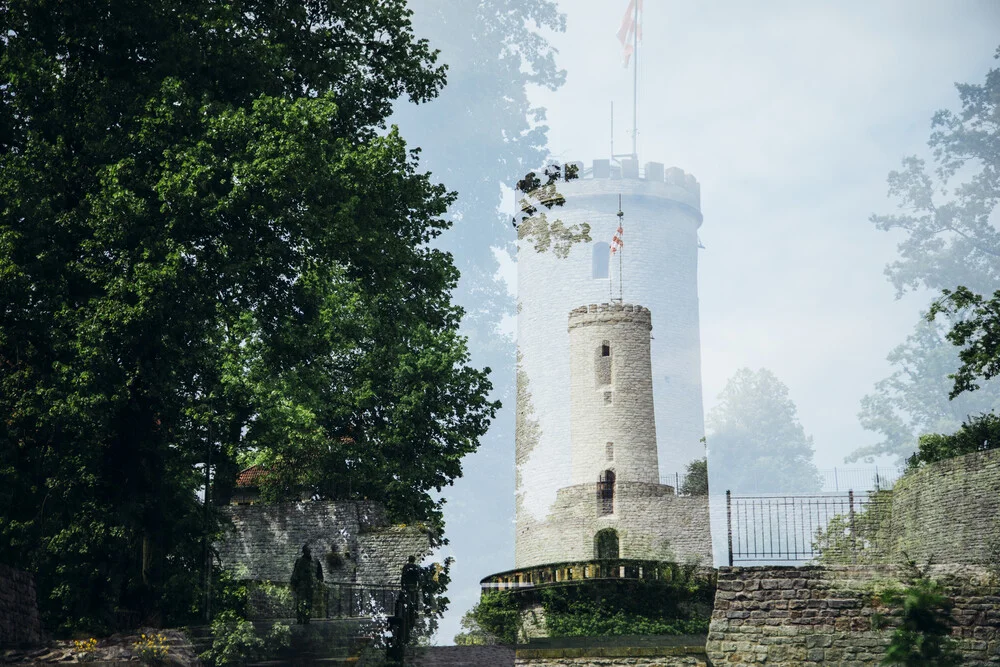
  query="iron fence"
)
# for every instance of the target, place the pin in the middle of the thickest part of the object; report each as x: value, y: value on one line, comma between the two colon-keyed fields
x: 832, y: 480
x: 332, y: 600
x: 821, y: 528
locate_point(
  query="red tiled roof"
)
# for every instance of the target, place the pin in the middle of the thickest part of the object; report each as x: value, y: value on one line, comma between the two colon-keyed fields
x: 251, y: 476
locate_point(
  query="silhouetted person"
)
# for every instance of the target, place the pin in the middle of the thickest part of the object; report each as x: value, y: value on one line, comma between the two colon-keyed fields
x: 306, y: 575
x: 410, y: 583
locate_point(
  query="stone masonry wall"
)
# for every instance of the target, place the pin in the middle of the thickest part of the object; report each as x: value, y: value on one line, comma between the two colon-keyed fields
x: 676, y: 656
x: 948, y: 512
x: 785, y: 616
x: 19, y: 620
x: 652, y: 524
x: 265, y: 540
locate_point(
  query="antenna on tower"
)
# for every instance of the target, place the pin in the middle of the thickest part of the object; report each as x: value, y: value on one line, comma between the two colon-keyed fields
x: 617, y: 246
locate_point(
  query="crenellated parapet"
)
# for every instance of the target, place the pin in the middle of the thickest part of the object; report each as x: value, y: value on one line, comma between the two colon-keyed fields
x: 609, y: 313
x: 654, y: 178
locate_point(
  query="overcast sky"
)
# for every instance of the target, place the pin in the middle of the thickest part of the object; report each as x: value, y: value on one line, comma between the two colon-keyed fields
x: 790, y: 114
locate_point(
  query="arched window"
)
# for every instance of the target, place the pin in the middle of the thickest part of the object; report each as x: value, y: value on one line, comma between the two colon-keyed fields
x: 606, y: 492
x: 600, y: 260
x: 606, y: 544
x: 602, y: 364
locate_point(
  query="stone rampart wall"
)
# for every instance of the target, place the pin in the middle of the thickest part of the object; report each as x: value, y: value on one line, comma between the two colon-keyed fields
x: 19, y: 621
x: 784, y: 616
x: 949, y: 511
x: 265, y: 540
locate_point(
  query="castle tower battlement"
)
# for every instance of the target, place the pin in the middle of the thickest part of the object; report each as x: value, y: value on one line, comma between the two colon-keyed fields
x: 613, y: 427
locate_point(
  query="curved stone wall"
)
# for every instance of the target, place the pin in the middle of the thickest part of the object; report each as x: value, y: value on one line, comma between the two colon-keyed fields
x: 948, y: 511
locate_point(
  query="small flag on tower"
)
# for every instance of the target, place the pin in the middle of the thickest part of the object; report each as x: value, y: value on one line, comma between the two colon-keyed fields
x: 630, y: 30
x: 617, y: 242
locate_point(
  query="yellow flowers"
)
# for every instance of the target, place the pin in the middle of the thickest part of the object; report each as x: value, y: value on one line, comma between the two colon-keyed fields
x: 85, y: 645
x: 151, y: 648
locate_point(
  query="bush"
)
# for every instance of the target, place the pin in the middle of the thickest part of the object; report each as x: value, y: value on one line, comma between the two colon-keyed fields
x: 923, y: 636
x: 976, y: 434
x: 235, y: 641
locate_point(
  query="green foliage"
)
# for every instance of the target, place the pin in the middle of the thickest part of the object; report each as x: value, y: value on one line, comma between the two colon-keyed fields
x: 696, y: 478
x: 534, y: 224
x: 755, y: 432
x: 914, y: 399
x: 472, y: 634
x: 948, y: 240
x: 593, y: 619
x: 497, y: 616
x: 235, y: 641
x: 680, y: 602
x: 434, y: 580
x: 151, y: 649
x: 923, y: 634
x: 977, y: 434
x: 977, y: 332
x: 211, y: 247
x: 863, y: 539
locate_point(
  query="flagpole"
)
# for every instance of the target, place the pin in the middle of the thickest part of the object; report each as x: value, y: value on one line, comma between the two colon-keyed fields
x: 635, y: 80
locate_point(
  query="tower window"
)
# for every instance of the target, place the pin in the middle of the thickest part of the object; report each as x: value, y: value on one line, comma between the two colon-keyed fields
x: 607, y: 398
x: 606, y: 492
x: 609, y: 451
x: 602, y: 364
x: 600, y: 259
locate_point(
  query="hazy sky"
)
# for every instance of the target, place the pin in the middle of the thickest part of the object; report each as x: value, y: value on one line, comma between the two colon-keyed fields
x: 790, y: 114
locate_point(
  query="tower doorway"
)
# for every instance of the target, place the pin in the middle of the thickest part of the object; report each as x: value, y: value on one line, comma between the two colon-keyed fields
x: 606, y: 543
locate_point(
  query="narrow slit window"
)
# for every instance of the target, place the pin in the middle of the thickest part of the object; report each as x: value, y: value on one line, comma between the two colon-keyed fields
x: 602, y: 364
x: 600, y: 260
x: 609, y: 451
x: 606, y: 492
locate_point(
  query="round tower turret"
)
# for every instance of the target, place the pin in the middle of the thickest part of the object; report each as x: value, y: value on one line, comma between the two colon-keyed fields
x: 612, y: 427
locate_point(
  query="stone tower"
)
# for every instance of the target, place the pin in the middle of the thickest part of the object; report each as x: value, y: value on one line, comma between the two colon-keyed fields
x: 611, y: 394
x: 614, y: 506
x: 662, y: 215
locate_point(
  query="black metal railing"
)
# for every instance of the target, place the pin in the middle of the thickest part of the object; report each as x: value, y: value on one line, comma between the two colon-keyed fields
x: 821, y: 528
x: 332, y: 600
x: 574, y: 572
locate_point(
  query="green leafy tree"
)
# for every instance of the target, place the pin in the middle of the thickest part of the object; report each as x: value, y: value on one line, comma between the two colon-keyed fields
x: 695, y: 478
x: 914, y: 398
x: 976, y: 333
x: 949, y: 239
x: 756, y: 439
x: 212, y: 245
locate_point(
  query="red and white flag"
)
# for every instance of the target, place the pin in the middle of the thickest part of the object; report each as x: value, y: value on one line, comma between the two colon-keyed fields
x: 617, y: 242
x: 631, y: 30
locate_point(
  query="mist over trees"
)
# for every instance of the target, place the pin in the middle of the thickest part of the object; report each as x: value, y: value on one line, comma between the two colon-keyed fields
x: 213, y: 249
x: 951, y: 238
x: 755, y: 440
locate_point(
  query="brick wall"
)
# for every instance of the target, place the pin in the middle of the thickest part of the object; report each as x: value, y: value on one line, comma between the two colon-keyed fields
x: 948, y: 512
x: 19, y: 620
x: 265, y: 540
x: 822, y: 615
